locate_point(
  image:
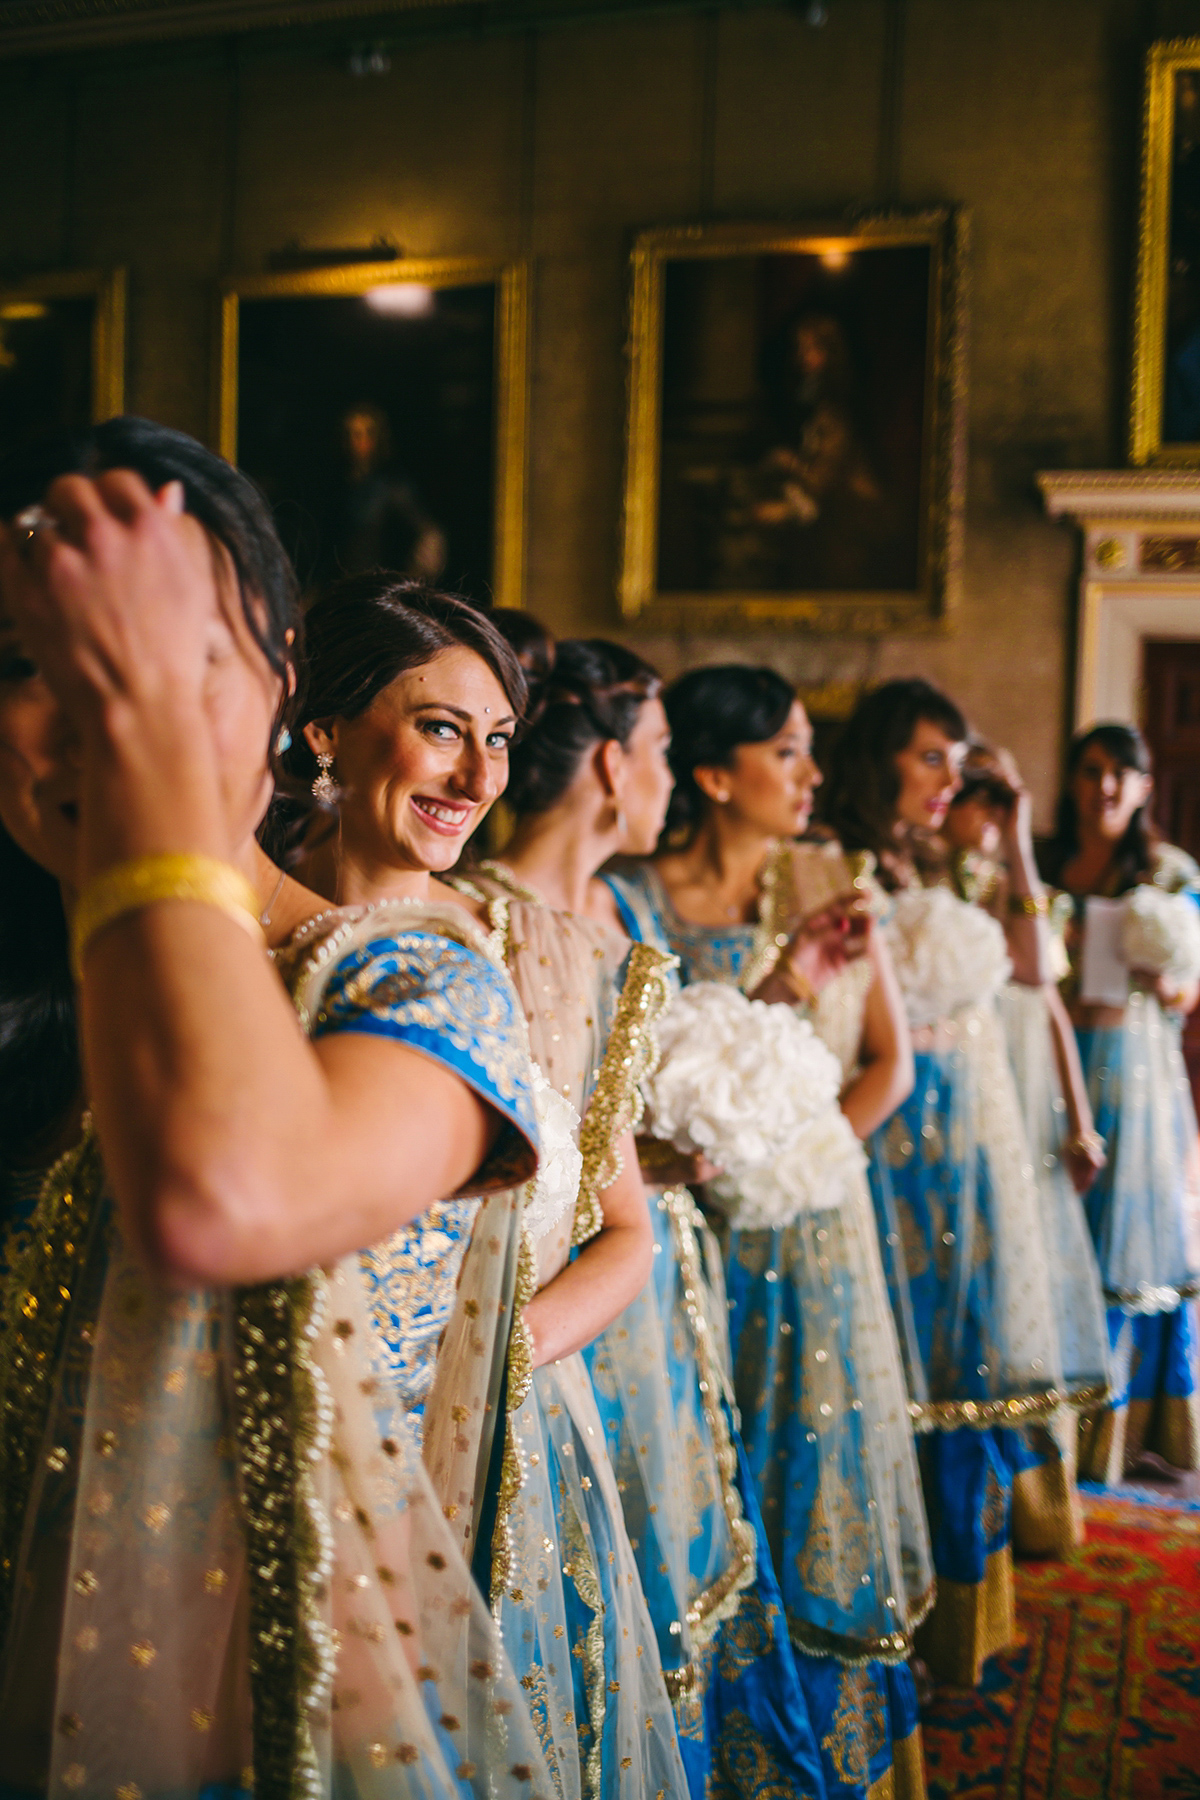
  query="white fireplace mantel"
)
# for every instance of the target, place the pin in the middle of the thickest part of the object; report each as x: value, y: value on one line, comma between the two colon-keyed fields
x: 1140, y: 579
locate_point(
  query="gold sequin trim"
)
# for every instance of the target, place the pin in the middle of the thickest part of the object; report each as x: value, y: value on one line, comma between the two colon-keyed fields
x: 36, y: 1306
x: 720, y: 1600
x: 616, y: 1104
x: 1018, y: 1409
x: 282, y: 1424
x: 519, y: 1380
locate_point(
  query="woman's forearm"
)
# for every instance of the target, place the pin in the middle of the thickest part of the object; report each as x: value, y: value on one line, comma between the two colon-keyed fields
x: 877, y: 1091
x: 1025, y: 930
x: 610, y: 1271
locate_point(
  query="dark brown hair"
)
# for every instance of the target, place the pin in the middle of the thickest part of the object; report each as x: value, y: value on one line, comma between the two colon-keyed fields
x: 39, y: 1052
x: 711, y: 711
x: 858, y: 800
x: 594, y: 692
x: 371, y: 628
x: 1133, y: 857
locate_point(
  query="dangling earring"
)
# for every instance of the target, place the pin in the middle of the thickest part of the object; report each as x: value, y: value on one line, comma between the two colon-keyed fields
x: 621, y: 826
x: 283, y: 742
x: 325, y: 787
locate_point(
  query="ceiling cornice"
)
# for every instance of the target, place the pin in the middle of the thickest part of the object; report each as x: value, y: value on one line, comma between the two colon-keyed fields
x: 46, y: 27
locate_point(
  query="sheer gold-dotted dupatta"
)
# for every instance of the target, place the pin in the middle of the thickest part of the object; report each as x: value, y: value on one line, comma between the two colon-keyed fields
x: 260, y: 1585
x: 564, y: 1581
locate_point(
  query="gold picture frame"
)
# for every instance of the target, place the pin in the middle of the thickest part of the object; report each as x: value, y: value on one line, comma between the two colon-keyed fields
x: 1166, y: 314
x: 814, y: 578
x: 510, y: 388
x: 25, y: 300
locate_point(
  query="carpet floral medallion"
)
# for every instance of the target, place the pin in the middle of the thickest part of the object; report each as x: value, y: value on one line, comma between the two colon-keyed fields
x: 1102, y: 1701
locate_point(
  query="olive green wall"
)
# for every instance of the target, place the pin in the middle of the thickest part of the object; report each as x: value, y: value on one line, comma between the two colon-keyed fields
x: 187, y: 161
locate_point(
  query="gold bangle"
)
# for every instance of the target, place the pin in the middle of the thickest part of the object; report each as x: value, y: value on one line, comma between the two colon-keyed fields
x: 796, y: 983
x: 1028, y: 906
x: 147, y: 880
x: 1085, y: 1143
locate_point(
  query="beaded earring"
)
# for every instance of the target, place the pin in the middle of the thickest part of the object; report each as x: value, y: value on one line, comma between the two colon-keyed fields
x: 325, y: 787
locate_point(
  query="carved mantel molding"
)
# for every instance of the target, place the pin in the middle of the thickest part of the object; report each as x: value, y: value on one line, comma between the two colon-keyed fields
x: 41, y: 27
x: 1140, y: 577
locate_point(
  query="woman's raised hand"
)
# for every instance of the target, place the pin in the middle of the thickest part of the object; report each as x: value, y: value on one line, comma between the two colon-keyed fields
x: 826, y: 941
x: 113, y: 590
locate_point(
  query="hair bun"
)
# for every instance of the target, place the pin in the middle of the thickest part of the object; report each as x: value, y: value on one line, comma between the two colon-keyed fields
x: 532, y: 645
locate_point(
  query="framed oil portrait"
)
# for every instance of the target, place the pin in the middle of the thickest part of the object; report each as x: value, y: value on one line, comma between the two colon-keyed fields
x: 62, y: 353
x: 1165, y: 390
x: 796, y: 429
x: 382, y: 409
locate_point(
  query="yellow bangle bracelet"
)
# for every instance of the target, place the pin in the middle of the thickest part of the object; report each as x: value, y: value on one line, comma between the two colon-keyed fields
x: 148, y: 880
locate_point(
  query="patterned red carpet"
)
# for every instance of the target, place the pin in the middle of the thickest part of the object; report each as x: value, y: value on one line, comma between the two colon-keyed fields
x: 1102, y: 1702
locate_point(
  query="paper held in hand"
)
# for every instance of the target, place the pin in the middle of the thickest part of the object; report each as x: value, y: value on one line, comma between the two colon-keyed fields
x: 1104, y: 973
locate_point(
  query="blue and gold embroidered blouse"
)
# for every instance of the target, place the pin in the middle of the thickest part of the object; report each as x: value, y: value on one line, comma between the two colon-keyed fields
x: 449, y: 1002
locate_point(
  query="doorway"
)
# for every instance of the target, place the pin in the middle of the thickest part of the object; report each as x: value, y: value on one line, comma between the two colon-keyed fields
x: 1171, y: 723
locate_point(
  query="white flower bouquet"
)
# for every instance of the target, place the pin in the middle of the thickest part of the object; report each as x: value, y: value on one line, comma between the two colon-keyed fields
x: 554, y: 1189
x: 1160, y: 935
x: 948, y: 954
x: 754, y: 1089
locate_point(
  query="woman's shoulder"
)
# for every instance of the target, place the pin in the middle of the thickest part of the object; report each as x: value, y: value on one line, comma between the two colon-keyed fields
x: 363, y: 959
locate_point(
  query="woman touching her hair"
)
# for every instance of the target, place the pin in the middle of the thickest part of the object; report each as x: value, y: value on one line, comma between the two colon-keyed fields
x: 959, y: 1218
x: 209, y: 1542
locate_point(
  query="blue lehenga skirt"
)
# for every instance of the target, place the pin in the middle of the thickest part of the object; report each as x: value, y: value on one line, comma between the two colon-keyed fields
x: 844, y: 1525
x: 740, y: 1708
x: 1136, y: 1213
x: 996, y: 1463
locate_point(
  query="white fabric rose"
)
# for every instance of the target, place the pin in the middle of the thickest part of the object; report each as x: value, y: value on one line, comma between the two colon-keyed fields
x: 814, y: 1174
x: 736, y: 1078
x: 755, y: 1089
x: 947, y: 953
x: 554, y: 1189
x: 1160, y: 935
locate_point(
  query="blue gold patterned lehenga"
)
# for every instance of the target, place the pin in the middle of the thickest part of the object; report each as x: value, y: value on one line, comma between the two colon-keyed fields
x: 222, y: 1565
x: 661, y: 1374
x: 1142, y: 1210
x: 824, y: 1415
x: 552, y: 1547
x: 966, y: 1257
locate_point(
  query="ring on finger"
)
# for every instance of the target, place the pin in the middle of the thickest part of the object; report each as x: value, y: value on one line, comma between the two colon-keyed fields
x: 34, y: 519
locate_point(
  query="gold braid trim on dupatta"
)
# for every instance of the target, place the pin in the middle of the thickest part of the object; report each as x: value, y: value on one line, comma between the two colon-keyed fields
x: 981, y: 1415
x: 777, y: 904
x: 41, y: 1290
x: 578, y: 1564
x: 518, y: 1370
x: 282, y: 1425
x: 616, y: 1103
x: 721, y: 1599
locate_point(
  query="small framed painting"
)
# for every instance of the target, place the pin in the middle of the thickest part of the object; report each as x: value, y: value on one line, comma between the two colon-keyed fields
x: 795, y: 447
x: 382, y: 409
x: 62, y: 353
